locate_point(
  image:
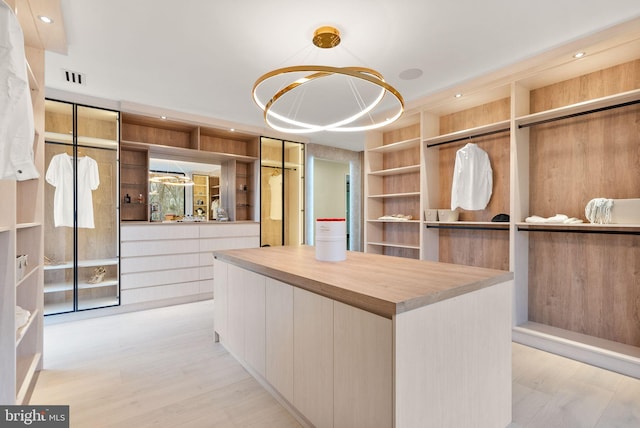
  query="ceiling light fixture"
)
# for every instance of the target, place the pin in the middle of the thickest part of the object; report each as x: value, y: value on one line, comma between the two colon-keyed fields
x: 312, y: 98
x: 45, y: 19
x: 579, y: 55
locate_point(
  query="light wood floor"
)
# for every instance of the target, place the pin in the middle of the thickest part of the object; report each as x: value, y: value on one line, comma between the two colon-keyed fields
x: 161, y: 368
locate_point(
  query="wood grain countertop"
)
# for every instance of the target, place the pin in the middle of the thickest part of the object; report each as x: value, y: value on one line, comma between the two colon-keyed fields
x: 383, y: 285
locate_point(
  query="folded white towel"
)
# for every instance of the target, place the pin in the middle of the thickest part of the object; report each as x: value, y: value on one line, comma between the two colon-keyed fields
x: 558, y: 218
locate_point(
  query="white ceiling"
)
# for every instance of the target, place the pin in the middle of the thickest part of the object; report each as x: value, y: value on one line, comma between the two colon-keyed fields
x: 203, y: 56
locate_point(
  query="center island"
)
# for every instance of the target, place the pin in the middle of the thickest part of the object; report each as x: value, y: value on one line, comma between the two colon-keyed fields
x: 372, y: 341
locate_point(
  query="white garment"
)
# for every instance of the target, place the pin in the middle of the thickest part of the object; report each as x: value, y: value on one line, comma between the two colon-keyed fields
x: 275, y: 185
x: 60, y: 175
x: 598, y: 210
x: 16, y: 112
x: 472, y: 179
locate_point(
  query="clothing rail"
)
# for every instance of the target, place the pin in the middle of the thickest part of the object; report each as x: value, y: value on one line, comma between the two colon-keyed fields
x: 455, y: 140
x: 279, y: 167
x: 568, y: 116
x: 80, y: 145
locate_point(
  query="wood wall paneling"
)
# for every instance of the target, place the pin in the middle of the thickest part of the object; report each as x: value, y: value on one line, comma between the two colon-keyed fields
x: 613, y: 80
x: 586, y: 283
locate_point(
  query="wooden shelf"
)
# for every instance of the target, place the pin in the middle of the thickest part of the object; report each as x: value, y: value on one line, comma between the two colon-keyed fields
x: 475, y: 225
x: 56, y: 137
x: 396, y: 171
x: 394, y: 245
x: 82, y: 285
x: 83, y: 264
x: 24, y: 384
x: 394, y: 147
x: 585, y: 107
x: 27, y: 225
x: 26, y: 276
x: 394, y: 221
x: 493, y: 128
x: 395, y: 195
x: 616, y: 229
x: 22, y: 331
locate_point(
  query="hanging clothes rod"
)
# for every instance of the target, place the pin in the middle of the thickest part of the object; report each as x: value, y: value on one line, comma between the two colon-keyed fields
x: 568, y: 116
x: 279, y: 167
x: 80, y: 146
x: 455, y: 140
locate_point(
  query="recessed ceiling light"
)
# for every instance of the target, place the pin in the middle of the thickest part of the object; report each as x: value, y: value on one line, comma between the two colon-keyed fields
x: 163, y: 117
x: 458, y: 95
x: 579, y: 55
x: 45, y: 19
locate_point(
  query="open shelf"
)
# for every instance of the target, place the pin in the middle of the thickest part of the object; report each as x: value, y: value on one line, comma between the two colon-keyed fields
x: 394, y: 147
x: 82, y: 264
x: 472, y: 225
x: 22, y: 331
x: 586, y: 107
x: 624, y: 229
x: 396, y: 171
x: 480, y: 131
x: 394, y: 245
x: 395, y: 195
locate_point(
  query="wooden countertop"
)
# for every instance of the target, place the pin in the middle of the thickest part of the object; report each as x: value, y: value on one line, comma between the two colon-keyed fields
x: 380, y: 284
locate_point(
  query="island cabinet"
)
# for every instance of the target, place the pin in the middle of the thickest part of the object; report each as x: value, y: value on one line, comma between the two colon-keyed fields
x: 372, y: 341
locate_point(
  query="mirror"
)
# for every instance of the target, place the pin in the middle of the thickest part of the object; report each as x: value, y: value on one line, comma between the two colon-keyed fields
x: 183, y: 191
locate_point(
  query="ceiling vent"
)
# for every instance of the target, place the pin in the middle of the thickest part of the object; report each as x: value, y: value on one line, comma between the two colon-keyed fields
x: 74, y: 77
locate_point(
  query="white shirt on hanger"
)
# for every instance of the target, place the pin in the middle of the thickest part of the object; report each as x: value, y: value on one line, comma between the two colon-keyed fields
x: 275, y: 185
x: 16, y: 112
x: 472, y: 179
x: 60, y: 175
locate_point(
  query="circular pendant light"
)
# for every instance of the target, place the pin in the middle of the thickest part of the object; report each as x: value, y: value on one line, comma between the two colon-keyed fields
x: 313, y: 98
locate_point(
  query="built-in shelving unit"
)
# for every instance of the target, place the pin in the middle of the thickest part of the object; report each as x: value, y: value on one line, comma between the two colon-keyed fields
x: 235, y: 152
x: 558, y: 134
x: 392, y: 188
x: 21, y: 237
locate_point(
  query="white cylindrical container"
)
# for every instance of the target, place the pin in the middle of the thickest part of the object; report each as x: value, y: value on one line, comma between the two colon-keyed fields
x: 331, y: 239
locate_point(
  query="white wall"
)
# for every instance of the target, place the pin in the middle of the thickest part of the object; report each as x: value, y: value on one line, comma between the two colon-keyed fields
x: 329, y: 190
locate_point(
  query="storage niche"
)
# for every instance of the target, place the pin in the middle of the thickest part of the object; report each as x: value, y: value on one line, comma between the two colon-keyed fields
x: 392, y: 207
x: 584, y: 282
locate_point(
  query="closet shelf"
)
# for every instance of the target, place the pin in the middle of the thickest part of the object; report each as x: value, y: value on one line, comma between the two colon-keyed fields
x: 470, y: 225
x: 26, y: 276
x: 4, y: 229
x: 613, y: 229
x: 396, y: 171
x: 82, y: 285
x: 186, y: 153
x: 393, y: 221
x: 395, y: 245
x: 395, y: 195
x: 480, y: 131
x: 27, y: 225
x: 56, y: 137
x: 83, y: 264
x: 22, y: 331
x: 591, y: 106
x: 32, y: 361
x: 394, y: 147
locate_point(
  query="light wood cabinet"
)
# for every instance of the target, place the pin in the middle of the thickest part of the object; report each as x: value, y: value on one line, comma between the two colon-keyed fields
x: 559, y: 132
x: 235, y: 152
x: 313, y: 366
x: 392, y: 189
x: 134, y: 183
x: 335, y: 364
x: 172, y: 263
x: 279, y: 330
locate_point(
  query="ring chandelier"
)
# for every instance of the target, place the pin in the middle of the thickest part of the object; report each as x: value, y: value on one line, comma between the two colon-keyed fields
x: 366, y: 117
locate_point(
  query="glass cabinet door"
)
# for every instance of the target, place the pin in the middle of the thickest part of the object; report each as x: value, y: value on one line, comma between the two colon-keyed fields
x: 81, y: 210
x: 97, y: 208
x: 59, y: 247
x: 282, y: 192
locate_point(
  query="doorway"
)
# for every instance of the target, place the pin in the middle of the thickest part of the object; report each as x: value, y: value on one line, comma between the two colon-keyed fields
x: 331, y: 191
